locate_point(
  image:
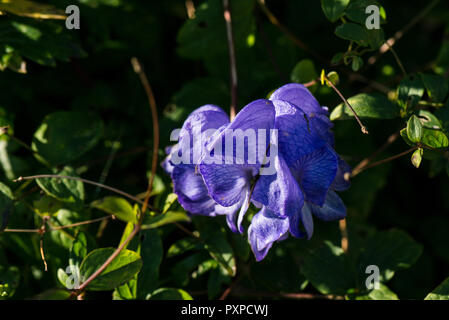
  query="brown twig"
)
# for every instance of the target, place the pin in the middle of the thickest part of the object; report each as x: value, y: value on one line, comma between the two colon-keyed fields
x: 55, y: 176
x: 68, y: 226
x: 374, y: 164
x: 139, y: 70
x: 392, y: 138
x: 232, y: 60
x: 4, y: 130
x: 344, y: 235
x: 362, y: 127
x: 152, y: 102
x: 42, y: 231
x: 399, y: 34
x: 272, y: 18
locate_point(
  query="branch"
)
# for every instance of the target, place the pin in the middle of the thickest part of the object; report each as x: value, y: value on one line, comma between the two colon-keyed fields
x: 362, y: 127
x: 232, y: 60
x: 152, y: 102
x: 384, y: 161
x: 369, y: 159
x: 399, y: 34
x: 289, y: 34
x: 123, y: 193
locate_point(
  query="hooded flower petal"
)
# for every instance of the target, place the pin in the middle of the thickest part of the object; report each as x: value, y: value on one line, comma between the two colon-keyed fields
x: 300, y: 96
x: 296, y: 136
x: 266, y: 228
x: 228, y: 182
x: 333, y: 208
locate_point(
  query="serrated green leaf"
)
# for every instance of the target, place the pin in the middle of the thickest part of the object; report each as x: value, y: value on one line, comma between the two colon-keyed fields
x: 366, y: 106
x: 119, y: 271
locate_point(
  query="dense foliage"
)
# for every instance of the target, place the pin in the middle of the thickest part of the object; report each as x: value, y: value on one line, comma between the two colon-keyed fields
x: 72, y: 105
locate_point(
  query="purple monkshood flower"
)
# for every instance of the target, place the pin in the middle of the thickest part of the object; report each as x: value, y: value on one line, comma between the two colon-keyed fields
x: 307, y: 169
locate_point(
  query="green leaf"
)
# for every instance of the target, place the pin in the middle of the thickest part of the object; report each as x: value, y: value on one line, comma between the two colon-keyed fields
x: 151, y: 252
x: 31, y: 9
x: 328, y: 269
x: 216, y: 244
x: 409, y: 92
x: 383, y: 293
x: 333, y: 9
x: 66, y: 190
x: 414, y: 129
x: 182, y: 246
x: 53, y: 294
x: 356, y: 11
x: 66, y: 135
x: 436, y: 86
x: 303, y: 72
x: 119, y: 271
x: 434, y: 138
x: 217, y: 277
x: 79, y: 249
x: 169, y: 294
x: 366, y: 106
x: 9, y: 281
x: 116, y: 206
x: 357, y: 63
x: 352, y: 32
x: 165, y: 218
x: 441, y: 292
x: 417, y: 157
x: 6, y: 205
x: 389, y: 251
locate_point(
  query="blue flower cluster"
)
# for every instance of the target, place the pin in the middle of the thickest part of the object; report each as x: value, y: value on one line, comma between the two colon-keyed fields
x: 307, y: 170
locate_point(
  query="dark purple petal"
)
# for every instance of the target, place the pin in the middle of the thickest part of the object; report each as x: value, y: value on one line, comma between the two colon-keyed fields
x: 265, y: 229
x: 296, y: 135
x: 333, y: 208
x: 302, y: 218
x: 316, y: 172
x: 279, y: 192
x: 191, y: 191
x: 228, y: 182
x: 340, y: 183
x: 300, y: 96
